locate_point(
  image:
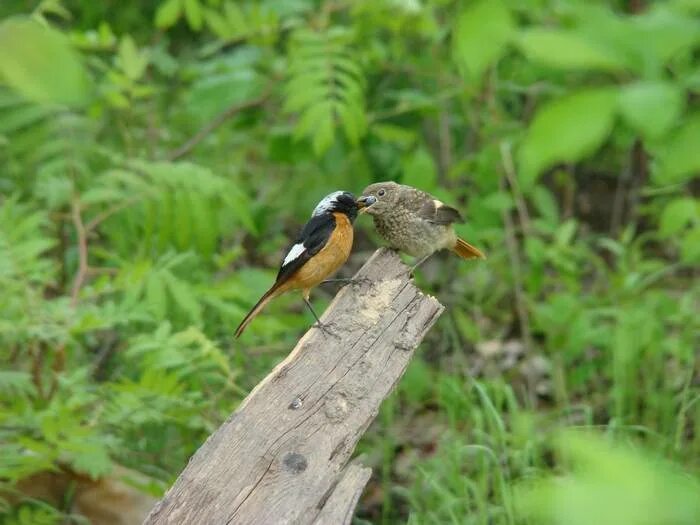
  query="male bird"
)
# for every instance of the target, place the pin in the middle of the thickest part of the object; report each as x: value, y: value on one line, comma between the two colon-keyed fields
x: 321, y: 248
x: 414, y: 221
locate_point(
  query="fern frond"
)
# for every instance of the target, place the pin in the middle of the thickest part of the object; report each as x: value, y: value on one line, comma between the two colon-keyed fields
x: 14, y: 384
x: 326, y: 87
x: 22, y: 242
x: 166, y: 205
x: 44, y: 149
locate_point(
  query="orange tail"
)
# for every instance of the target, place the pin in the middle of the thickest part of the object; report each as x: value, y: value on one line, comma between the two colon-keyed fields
x: 266, y: 298
x: 467, y: 251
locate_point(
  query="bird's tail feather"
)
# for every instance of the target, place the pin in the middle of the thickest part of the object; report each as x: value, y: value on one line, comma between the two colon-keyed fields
x: 266, y: 298
x: 466, y: 250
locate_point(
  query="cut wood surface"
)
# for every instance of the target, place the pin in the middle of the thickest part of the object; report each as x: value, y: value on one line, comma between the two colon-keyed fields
x: 281, y: 456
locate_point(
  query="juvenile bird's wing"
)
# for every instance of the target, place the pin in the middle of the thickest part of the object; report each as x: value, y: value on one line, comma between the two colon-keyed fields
x: 438, y: 212
x: 309, y: 242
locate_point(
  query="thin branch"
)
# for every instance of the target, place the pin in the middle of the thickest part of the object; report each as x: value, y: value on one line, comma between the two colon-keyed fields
x: 405, y: 107
x: 640, y: 175
x: 100, y: 217
x: 217, y: 121
x: 511, y: 242
x: 58, y: 365
x: 514, y: 256
x: 82, y: 251
x: 37, y: 353
x: 509, y: 169
x: 444, y: 141
x: 618, y: 206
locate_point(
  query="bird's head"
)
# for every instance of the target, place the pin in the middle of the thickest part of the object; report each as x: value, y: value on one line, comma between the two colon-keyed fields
x: 379, y: 198
x: 338, y: 201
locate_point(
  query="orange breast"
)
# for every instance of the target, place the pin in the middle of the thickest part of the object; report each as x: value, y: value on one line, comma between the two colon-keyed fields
x: 331, y: 257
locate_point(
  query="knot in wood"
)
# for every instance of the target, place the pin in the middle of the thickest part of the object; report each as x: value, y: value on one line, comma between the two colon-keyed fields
x: 336, y: 408
x: 294, y: 462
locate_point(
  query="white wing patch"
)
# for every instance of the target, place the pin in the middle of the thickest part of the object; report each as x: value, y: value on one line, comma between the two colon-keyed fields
x: 294, y: 253
x: 438, y: 204
x: 326, y: 203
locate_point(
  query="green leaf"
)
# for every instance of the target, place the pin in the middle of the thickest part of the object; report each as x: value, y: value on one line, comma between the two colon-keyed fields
x: 546, y: 204
x: 184, y: 296
x: 93, y: 458
x: 498, y: 201
x: 193, y: 13
x: 678, y: 158
x: 481, y: 34
x: 132, y: 62
x: 566, y: 130
x: 168, y: 13
x: 53, y: 7
x: 15, y: 384
x: 40, y: 63
x: 155, y: 295
x: 651, y: 108
x: 677, y: 214
x: 218, y: 24
x: 602, y: 483
x: 419, y: 170
x: 325, y: 85
x: 403, y: 137
x: 690, y: 246
x: 663, y: 34
x: 565, y: 233
x: 566, y: 50
x: 323, y: 134
x: 236, y: 18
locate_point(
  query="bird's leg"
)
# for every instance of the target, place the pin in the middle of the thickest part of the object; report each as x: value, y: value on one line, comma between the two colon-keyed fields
x: 318, y: 323
x: 415, y: 265
x: 419, y: 262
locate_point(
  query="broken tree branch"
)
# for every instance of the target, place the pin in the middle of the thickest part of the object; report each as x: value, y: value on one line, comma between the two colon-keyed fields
x: 281, y: 456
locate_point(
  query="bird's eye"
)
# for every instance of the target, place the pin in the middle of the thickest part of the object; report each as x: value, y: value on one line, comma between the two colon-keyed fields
x: 381, y: 193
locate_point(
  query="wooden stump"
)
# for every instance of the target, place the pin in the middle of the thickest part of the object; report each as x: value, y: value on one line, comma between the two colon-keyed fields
x: 281, y: 456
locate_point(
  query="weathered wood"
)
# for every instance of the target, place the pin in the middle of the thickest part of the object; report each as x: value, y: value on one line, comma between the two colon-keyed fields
x: 279, y: 458
x: 340, y: 506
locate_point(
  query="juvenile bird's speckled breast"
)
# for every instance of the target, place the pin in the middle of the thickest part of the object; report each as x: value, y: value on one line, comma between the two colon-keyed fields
x: 404, y: 230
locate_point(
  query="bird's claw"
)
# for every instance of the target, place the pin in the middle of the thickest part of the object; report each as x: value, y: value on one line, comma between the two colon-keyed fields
x: 406, y: 272
x: 360, y: 280
x: 325, y: 328
x: 354, y: 280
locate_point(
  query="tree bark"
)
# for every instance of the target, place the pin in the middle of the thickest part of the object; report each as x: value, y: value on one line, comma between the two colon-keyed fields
x: 281, y: 456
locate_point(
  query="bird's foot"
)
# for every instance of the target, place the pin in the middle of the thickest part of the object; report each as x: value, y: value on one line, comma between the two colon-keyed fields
x: 325, y: 329
x: 410, y: 270
x: 406, y: 272
x: 354, y: 280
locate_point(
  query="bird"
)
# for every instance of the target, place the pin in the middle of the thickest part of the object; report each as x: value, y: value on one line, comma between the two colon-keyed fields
x: 414, y: 222
x: 321, y: 248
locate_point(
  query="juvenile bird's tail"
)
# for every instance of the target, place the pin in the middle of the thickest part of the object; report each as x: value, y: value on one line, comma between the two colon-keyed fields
x: 266, y: 298
x: 466, y: 250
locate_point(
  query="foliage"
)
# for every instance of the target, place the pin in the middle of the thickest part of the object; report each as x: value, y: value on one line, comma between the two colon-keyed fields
x: 612, y: 485
x: 156, y: 157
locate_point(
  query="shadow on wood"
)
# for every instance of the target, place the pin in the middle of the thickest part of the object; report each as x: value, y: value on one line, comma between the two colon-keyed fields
x: 281, y: 456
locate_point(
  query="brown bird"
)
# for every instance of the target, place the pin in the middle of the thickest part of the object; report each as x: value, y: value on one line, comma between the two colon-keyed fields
x: 414, y: 221
x: 321, y: 248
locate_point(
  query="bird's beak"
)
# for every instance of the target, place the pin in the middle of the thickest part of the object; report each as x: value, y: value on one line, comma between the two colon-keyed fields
x: 365, y: 202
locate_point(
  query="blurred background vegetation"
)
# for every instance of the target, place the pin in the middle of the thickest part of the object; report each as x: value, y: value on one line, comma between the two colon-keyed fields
x: 156, y: 156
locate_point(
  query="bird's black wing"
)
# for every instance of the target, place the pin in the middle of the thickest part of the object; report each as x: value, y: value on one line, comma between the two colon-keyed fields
x: 436, y: 212
x: 312, y: 238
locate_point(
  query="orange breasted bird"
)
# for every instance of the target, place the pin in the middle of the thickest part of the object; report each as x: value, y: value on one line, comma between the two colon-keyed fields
x: 414, y: 222
x: 322, y: 246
